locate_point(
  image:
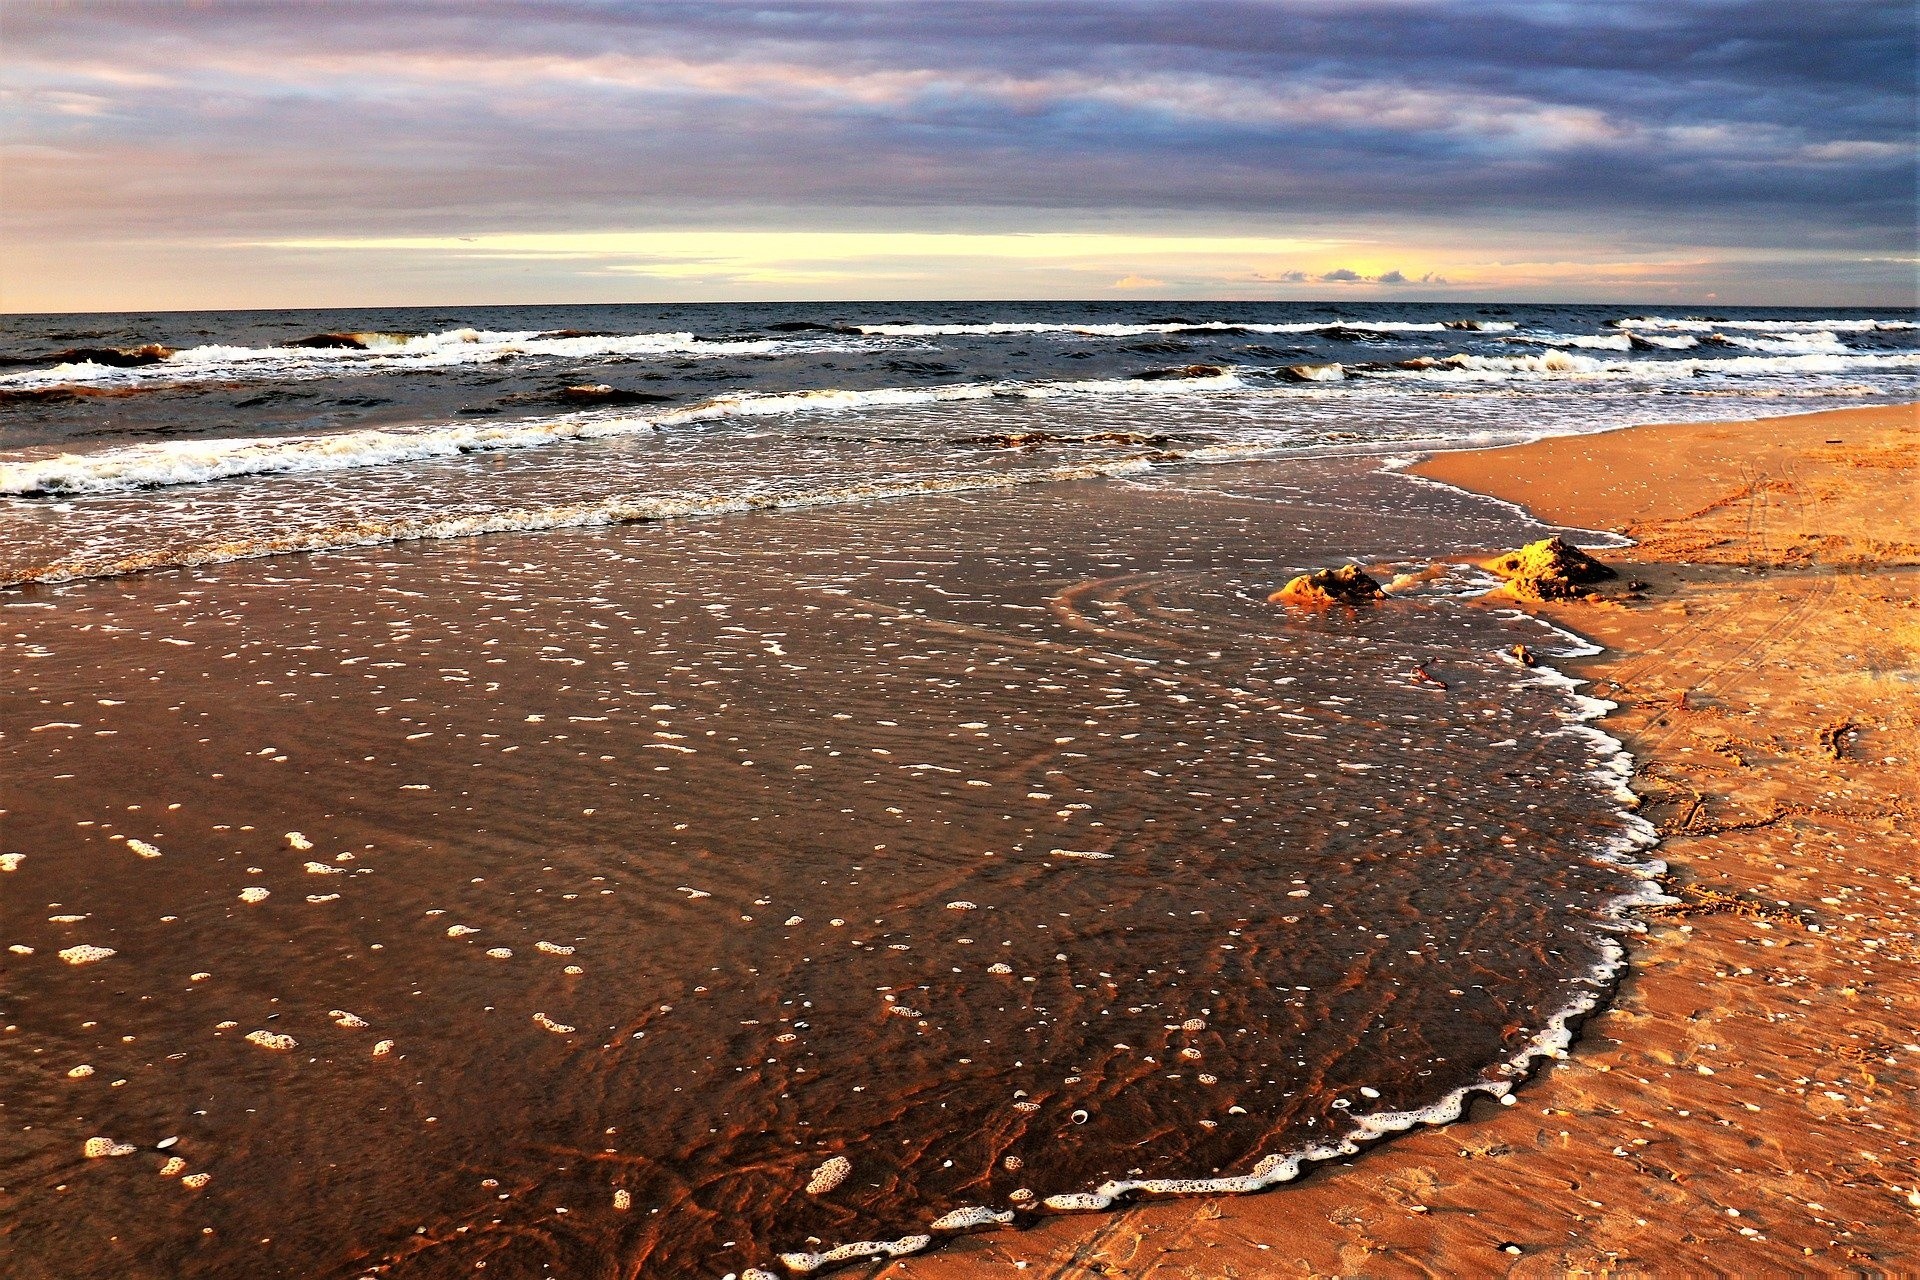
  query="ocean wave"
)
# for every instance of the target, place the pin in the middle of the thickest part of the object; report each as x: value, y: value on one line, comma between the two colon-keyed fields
x: 1776, y: 342
x: 1601, y: 342
x: 379, y: 532
x: 1556, y: 364
x: 999, y: 327
x: 179, y: 462
x: 1785, y: 343
x: 333, y: 355
x: 182, y: 462
x: 1701, y: 324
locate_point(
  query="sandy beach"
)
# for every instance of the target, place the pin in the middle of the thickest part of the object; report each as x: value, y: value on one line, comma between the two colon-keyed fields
x: 1746, y: 1104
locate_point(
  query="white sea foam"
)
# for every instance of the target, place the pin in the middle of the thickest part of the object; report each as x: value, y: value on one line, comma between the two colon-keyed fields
x: 1816, y: 341
x: 574, y: 516
x: 178, y: 462
x: 1693, y: 324
x: 396, y: 353
x: 997, y: 327
x: 1557, y: 364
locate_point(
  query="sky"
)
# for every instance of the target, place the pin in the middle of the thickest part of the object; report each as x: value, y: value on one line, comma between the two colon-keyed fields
x: 196, y: 155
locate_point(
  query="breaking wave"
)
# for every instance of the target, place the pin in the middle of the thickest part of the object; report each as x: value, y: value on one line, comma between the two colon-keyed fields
x: 157, y: 465
x: 1566, y: 364
x: 1176, y: 326
x: 147, y: 466
x: 333, y: 355
x: 1701, y: 324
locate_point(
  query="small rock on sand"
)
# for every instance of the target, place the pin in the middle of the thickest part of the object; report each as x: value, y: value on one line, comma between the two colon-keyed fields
x: 1550, y: 569
x: 1348, y: 585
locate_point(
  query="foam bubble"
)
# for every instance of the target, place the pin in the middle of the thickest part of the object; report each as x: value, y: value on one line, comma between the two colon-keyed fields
x: 970, y: 1217
x: 807, y: 1262
x: 272, y: 1040
x: 100, y: 1148
x: 829, y: 1175
x: 85, y: 954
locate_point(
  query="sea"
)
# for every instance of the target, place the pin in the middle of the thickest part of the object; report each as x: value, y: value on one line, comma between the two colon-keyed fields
x: 750, y: 789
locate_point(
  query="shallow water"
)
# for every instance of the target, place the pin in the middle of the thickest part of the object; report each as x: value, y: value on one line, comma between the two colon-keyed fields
x: 999, y: 843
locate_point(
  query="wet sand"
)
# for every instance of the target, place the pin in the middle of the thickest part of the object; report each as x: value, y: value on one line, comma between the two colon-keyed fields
x: 1747, y: 1103
x: 665, y: 899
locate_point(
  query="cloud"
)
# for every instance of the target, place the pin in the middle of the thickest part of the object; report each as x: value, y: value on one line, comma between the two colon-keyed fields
x: 1132, y: 281
x: 1657, y: 128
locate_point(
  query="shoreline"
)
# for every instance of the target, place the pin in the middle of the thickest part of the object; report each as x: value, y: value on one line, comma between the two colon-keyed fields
x: 1659, y: 1141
